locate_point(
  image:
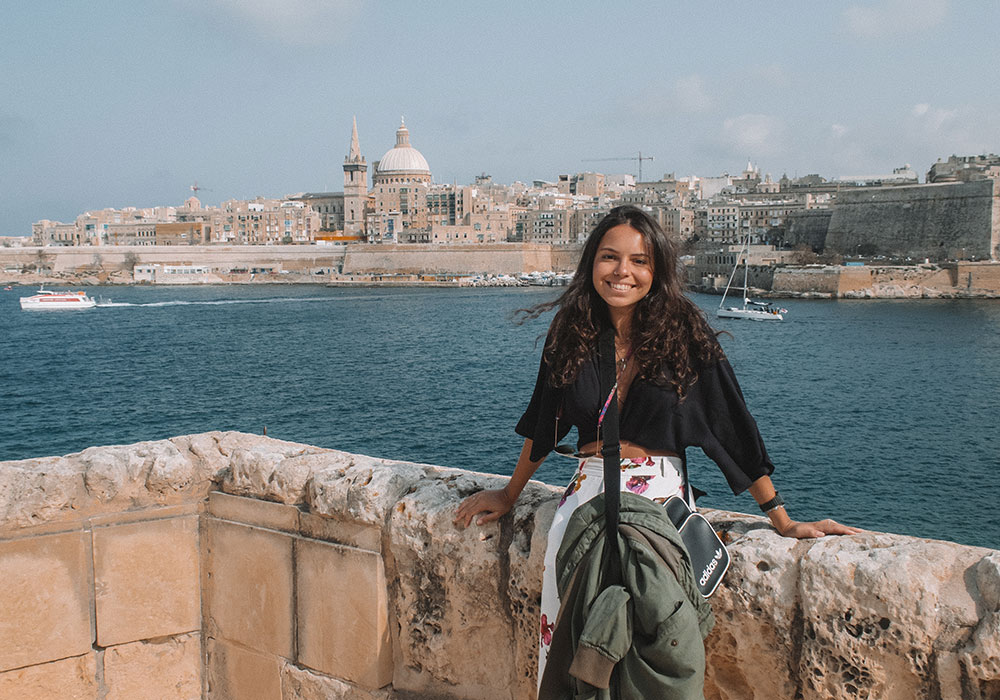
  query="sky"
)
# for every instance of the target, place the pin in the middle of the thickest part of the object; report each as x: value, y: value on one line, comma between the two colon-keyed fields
x: 114, y: 104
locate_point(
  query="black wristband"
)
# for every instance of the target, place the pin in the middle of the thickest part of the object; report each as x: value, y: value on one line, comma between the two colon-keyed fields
x: 773, y: 503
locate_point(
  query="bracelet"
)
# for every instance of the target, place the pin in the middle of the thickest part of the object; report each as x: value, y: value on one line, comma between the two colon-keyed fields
x: 774, y: 503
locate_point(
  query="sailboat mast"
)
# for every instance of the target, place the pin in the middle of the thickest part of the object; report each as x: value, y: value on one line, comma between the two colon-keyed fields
x: 746, y: 270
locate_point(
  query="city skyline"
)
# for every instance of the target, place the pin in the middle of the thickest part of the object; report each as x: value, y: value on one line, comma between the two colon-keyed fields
x: 113, y: 108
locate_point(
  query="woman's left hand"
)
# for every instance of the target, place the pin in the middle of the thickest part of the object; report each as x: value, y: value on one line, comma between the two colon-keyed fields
x: 819, y: 528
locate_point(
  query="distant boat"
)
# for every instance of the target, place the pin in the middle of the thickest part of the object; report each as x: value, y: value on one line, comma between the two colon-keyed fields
x: 47, y: 300
x: 753, y: 310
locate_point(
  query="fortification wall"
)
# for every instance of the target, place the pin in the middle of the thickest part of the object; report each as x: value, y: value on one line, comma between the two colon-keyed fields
x: 496, y: 259
x: 955, y: 280
x: 109, y: 263
x: 74, y: 259
x: 940, y: 221
x: 820, y: 280
x: 234, y: 566
x: 808, y: 227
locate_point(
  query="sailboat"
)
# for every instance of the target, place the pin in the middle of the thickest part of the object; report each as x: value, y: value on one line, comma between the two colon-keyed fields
x: 754, y: 310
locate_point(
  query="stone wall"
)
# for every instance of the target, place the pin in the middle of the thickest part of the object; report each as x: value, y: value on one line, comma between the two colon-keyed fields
x: 500, y: 258
x: 951, y: 280
x: 952, y: 220
x: 227, y: 565
x: 494, y: 258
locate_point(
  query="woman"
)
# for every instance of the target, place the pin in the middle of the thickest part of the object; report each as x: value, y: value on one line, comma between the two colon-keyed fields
x: 675, y: 390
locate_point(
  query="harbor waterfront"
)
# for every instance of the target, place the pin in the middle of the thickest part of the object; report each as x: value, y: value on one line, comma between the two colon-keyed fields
x: 882, y: 415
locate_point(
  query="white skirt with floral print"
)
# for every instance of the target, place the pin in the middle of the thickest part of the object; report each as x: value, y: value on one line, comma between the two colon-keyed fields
x: 656, y: 478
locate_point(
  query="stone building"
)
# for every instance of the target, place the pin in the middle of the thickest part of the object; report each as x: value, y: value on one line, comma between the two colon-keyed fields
x: 400, y: 184
x: 355, y: 187
x: 965, y: 169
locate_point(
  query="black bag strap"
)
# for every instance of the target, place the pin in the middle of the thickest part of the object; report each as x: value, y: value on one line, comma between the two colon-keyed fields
x: 611, y: 451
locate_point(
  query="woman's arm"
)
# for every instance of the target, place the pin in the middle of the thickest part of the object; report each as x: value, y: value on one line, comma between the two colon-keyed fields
x: 497, y: 502
x: 763, y: 491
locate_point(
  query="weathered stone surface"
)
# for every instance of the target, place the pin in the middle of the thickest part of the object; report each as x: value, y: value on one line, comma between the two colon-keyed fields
x: 164, y: 669
x: 249, y: 590
x: 755, y: 612
x: 364, y: 489
x: 528, y: 535
x: 147, y: 580
x: 34, y: 491
x: 44, y: 599
x: 74, y: 678
x: 907, y: 599
x: 451, y: 596
x: 235, y: 673
x: 302, y: 684
x: 275, y: 471
x: 115, y: 478
x: 871, y: 615
x: 343, y: 616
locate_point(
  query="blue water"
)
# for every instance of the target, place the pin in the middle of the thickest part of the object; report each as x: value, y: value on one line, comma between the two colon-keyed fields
x: 881, y: 414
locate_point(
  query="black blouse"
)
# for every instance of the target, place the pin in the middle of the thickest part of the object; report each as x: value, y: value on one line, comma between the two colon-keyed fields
x: 712, y: 416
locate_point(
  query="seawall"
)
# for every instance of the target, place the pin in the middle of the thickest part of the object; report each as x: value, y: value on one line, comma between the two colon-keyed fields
x: 957, y: 280
x: 113, y: 264
x: 228, y: 565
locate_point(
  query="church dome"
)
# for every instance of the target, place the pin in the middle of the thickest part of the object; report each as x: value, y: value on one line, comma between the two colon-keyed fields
x: 403, y: 158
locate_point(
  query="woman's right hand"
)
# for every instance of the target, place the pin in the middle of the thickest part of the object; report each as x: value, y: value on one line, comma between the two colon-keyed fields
x: 494, y: 503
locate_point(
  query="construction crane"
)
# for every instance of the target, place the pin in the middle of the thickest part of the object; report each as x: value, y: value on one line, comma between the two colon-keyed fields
x: 639, y: 158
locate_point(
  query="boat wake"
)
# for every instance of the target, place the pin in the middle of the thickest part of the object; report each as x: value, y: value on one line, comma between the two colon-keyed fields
x: 216, y: 302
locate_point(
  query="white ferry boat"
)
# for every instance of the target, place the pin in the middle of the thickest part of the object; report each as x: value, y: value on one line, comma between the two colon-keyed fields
x: 47, y: 300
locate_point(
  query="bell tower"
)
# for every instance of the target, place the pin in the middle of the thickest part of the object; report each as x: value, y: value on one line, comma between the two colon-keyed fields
x: 355, y: 187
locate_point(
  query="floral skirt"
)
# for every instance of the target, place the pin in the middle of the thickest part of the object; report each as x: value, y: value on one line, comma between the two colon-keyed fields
x: 656, y: 478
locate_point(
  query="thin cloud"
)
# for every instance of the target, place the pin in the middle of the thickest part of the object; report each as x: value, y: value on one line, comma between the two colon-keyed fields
x: 753, y: 134
x: 894, y: 17
x: 691, y: 95
x: 934, y: 119
x: 298, y: 22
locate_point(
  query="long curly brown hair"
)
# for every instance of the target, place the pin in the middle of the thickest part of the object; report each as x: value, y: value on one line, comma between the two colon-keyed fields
x: 671, y: 339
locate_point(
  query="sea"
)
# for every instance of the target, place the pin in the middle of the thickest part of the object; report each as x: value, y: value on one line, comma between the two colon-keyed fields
x: 881, y: 414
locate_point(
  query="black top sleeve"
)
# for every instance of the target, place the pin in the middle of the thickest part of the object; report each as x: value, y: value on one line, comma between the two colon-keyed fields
x: 539, y: 420
x: 718, y: 421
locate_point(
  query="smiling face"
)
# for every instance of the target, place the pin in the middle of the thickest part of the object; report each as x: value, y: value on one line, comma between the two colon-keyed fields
x: 623, y: 268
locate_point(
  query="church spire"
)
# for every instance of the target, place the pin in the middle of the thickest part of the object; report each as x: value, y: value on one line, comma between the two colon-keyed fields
x: 355, y: 155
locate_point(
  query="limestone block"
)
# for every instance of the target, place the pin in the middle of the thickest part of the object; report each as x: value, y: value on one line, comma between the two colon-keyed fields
x: 988, y: 580
x: 74, y: 678
x: 253, y: 511
x: 147, y: 580
x: 249, y: 591
x: 35, y: 491
x: 206, y: 452
x: 346, y: 532
x: 875, y: 608
x: 235, y: 673
x: 531, y: 518
x: 450, y: 615
x: 44, y: 599
x: 343, y: 622
x: 272, y: 469
x: 302, y: 684
x: 364, y: 489
x: 146, y: 472
x: 748, y: 654
x: 165, y: 669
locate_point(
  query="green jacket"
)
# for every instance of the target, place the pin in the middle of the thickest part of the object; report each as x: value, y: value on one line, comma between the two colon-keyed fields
x: 642, y: 639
